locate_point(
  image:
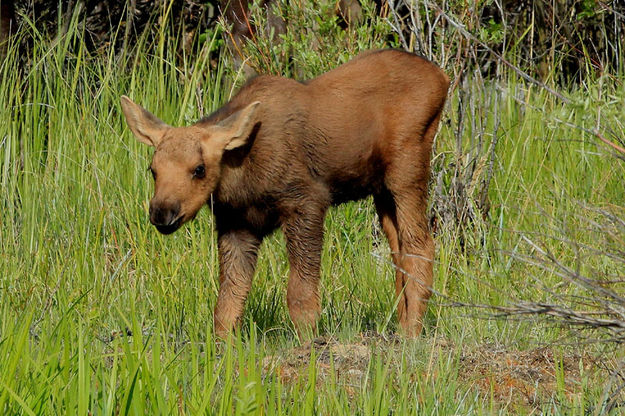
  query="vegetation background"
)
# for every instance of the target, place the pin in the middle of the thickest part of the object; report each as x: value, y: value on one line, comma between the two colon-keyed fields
x: 99, y: 314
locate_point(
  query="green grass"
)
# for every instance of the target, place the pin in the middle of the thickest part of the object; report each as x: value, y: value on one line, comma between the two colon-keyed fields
x: 100, y: 314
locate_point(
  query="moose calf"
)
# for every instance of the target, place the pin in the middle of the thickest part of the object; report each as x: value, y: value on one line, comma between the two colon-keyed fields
x: 282, y: 151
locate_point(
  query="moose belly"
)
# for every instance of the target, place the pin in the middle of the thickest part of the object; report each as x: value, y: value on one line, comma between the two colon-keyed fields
x: 357, y: 182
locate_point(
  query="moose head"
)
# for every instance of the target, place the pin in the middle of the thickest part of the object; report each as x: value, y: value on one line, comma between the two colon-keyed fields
x: 186, y: 165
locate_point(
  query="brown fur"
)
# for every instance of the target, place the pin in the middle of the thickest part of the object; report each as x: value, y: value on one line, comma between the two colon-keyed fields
x: 281, y: 152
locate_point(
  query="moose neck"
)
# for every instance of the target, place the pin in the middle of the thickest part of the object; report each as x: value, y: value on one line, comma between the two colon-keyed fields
x: 237, y: 186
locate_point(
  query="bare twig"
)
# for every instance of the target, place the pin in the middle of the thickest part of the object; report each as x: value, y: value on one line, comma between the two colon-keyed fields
x: 609, y: 143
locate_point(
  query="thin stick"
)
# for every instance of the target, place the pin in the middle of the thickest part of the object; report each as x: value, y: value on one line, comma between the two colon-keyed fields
x: 609, y: 143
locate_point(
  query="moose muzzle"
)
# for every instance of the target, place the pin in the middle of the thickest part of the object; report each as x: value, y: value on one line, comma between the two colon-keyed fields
x: 165, y: 216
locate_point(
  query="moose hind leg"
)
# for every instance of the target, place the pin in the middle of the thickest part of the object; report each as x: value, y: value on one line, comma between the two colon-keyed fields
x: 304, y: 235
x: 407, y: 179
x: 238, y: 252
x: 416, y: 258
x: 385, y: 206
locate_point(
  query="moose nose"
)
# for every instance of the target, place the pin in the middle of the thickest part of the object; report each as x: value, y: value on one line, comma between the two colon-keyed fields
x: 163, y: 213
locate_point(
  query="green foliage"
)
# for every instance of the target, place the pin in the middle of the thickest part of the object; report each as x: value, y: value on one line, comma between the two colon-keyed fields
x: 315, y: 40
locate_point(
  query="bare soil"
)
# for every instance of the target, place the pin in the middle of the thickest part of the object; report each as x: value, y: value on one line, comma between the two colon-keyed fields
x: 511, y: 377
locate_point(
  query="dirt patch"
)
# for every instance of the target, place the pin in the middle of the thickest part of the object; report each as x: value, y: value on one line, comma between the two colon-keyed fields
x: 345, y: 361
x: 525, y: 378
x: 518, y: 378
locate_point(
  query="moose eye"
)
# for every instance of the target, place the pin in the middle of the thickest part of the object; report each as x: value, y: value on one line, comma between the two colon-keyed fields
x: 199, y: 172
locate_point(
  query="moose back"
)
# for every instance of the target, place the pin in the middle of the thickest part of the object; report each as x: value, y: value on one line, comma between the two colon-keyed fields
x: 281, y: 152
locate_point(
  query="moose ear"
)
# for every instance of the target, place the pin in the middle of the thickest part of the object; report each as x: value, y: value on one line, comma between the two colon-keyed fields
x: 146, y: 127
x: 236, y: 129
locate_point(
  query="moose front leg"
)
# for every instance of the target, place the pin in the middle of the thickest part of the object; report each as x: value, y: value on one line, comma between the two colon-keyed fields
x: 304, y: 235
x: 238, y: 251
